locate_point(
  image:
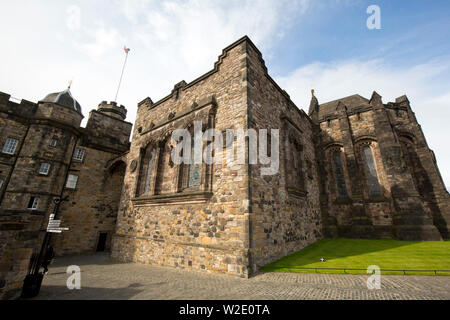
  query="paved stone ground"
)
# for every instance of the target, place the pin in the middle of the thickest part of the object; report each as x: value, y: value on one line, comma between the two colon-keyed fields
x: 103, y: 279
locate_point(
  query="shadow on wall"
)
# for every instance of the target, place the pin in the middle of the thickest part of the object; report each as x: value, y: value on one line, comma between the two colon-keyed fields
x: 425, y: 188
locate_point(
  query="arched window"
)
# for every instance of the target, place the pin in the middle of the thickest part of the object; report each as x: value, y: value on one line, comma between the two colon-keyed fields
x: 339, y: 174
x: 166, y: 169
x: 371, y: 172
x: 148, y: 156
x: 150, y: 159
x: 190, y: 175
x: 295, y: 181
x: 195, y: 170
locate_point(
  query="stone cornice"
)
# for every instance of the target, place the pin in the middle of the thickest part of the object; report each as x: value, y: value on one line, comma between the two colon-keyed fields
x: 173, y: 198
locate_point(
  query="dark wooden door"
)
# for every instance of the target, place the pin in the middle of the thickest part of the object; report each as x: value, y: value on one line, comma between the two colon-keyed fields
x: 101, y: 241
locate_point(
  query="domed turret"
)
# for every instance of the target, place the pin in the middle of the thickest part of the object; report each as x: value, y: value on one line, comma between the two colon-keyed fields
x: 62, y: 107
x: 64, y: 99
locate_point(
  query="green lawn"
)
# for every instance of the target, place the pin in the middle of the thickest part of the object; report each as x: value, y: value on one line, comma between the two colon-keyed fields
x: 359, y: 254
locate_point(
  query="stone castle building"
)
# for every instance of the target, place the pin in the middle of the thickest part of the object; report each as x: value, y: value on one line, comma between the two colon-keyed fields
x: 46, y: 154
x: 353, y: 167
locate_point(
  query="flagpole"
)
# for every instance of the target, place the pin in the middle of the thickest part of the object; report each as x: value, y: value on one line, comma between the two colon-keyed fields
x: 121, y: 75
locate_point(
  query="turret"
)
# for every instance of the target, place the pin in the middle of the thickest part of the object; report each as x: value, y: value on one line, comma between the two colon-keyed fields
x: 107, y: 126
x: 62, y: 107
x: 113, y: 110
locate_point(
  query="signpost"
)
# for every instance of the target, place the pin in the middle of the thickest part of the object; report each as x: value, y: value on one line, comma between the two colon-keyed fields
x: 33, y: 281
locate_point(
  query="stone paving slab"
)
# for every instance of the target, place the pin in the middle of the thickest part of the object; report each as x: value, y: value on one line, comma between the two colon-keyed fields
x: 105, y: 279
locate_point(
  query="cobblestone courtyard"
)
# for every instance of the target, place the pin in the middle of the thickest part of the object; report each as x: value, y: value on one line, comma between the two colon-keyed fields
x: 103, y: 279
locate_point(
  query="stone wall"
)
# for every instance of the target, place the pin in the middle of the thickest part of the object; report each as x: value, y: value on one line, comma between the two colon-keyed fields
x: 91, y: 208
x: 389, y: 130
x: 204, y: 227
x: 353, y: 167
x: 22, y: 228
x: 285, y: 216
x: 48, y: 133
x: 247, y: 222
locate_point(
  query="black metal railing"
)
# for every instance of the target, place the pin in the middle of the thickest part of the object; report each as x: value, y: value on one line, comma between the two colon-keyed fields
x: 404, y: 271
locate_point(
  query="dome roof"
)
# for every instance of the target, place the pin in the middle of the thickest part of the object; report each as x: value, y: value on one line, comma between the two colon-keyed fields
x: 64, y: 99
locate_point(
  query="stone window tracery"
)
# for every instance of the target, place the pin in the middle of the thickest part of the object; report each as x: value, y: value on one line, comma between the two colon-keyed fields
x: 370, y: 169
x: 339, y: 175
x: 146, y: 170
x: 190, y: 174
x: 295, y: 181
x: 161, y: 179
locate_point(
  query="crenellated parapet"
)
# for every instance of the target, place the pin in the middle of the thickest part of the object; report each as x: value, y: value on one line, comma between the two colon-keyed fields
x: 113, y: 109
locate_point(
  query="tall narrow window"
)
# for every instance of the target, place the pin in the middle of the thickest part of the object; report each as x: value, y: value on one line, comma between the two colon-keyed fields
x: 33, y: 204
x: 10, y: 146
x: 72, y: 181
x: 53, y: 143
x: 295, y: 181
x: 195, y: 170
x: 1, y: 183
x: 371, y: 172
x: 339, y: 173
x: 148, y: 177
x: 45, y: 168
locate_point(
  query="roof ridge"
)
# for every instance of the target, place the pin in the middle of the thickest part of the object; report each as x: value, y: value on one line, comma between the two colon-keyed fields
x: 340, y: 99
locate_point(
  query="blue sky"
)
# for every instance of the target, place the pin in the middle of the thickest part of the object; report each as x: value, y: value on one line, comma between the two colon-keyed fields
x: 412, y: 32
x: 323, y: 44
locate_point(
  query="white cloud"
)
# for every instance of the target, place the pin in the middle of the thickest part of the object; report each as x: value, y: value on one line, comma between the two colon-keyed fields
x: 73, y: 21
x: 56, y: 41
x: 98, y: 41
x: 426, y: 86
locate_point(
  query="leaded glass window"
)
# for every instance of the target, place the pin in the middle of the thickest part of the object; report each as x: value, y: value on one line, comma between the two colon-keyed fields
x: 148, y: 177
x: 195, y: 170
x: 371, y: 172
x: 339, y: 173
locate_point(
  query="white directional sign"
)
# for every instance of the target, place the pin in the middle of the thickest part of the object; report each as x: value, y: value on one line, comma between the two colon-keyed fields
x: 54, y: 225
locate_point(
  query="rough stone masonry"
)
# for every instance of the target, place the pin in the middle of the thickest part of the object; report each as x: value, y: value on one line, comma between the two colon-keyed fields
x: 353, y: 167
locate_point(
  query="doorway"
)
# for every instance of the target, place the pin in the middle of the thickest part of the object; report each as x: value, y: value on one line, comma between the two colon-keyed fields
x: 101, y: 244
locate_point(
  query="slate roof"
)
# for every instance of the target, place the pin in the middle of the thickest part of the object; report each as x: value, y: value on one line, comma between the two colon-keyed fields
x: 64, y: 99
x: 352, y: 102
